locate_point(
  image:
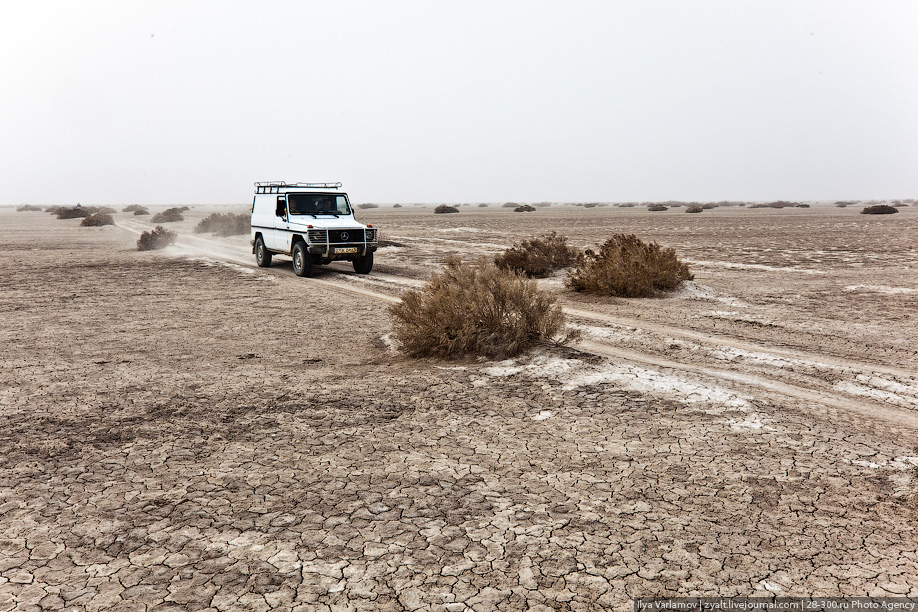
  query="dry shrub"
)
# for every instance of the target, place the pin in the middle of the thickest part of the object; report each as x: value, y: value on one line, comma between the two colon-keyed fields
x: 224, y: 224
x: 510, y: 204
x: 73, y: 213
x: 900, y: 205
x: 539, y: 256
x: 482, y: 205
x: 627, y: 267
x: 141, y: 211
x: 524, y: 208
x: 475, y: 310
x: 777, y: 204
x: 843, y: 204
x: 159, y: 238
x: 133, y: 208
x: 802, y: 206
x: 396, y: 206
x: 709, y: 206
x: 694, y: 209
x: 590, y: 205
x: 880, y: 209
x: 28, y: 208
x: 98, y: 219
x: 170, y: 215
x: 367, y: 206
x: 657, y: 208
x: 443, y: 209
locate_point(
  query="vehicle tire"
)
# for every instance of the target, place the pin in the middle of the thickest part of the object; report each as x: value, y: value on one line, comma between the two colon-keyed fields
x: 262, y: 255
x: 302, y: 260
x: 363, y: 265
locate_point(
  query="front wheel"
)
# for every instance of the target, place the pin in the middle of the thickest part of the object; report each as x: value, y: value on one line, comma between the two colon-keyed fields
x: 302, y: 260
x: 262, y: 255
x: 363, y: 265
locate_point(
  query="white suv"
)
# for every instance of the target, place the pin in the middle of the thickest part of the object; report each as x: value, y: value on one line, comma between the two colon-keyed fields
x: 311, y: 222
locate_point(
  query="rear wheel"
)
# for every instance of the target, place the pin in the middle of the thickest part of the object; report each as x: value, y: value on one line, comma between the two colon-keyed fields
x: 302, y: 260
x: 363, y: 265
x: 262, y: 255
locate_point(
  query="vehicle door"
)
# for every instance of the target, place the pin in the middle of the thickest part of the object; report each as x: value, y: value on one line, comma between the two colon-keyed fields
x: 281, y: 233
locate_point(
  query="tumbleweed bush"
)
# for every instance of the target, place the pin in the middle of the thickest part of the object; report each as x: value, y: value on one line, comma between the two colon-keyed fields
x: 159, y: 238
x: 98, y: 219
x: 625, y: 266
x: 538, y: 257
x: 224, y: 224
x: 475, y: 310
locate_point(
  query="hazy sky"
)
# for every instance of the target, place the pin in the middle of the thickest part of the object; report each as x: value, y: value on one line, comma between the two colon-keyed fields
x: 191, y: 102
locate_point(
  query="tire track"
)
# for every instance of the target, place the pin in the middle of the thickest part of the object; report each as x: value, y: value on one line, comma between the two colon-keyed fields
x: 196, y: 246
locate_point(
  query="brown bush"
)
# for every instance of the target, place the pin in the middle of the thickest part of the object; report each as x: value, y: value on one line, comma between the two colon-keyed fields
x: 483, y: 205
x: 709, y: 206
x: 224, y: 224
x: 880, y: 209
x: 73, y: 213
x: 98, y: 219
x: 475, y: 310
x: 539, y: 256
x: 524, y: 208
x: 443, y: 209
x: 141, y: 211
x: 133, y: 208
x: 367, y: 206
x: 627, y: 267
x: 396, y: 206
x: 510, y: 204
x: 657, y: 208
x: 170, y: 215
x: 28, y: 208
x: 159, y: 238
x: 694, y: 209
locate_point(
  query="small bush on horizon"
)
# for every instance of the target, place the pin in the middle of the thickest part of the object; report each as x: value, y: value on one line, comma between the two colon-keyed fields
x: 170, y: 215
x: 880, y: 209
x: 708, y: 206
x: 510, y: 204
x: 657, y: 208
x: 625, y: 266
x: 694, y: 209
x: 224, y: 224
x: 133, y: 207
x: 396, y: 206
x: 73, y: 213
x: 141, y: 211
x: 443, y: 209
x: 367, y: 206
x: 524, y: 208
x: 159, y: 238
x: 98, y: 219
x: 28, y: 208
x: 483, y: 205
x: 475, y: 310
x: 538, y: 257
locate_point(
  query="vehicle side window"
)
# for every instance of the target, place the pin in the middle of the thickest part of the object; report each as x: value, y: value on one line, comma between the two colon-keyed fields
x: 341, y: 205
x: 281, y: 210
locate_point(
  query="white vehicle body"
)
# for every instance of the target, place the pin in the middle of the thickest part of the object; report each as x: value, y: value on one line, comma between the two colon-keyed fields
x: 319, y: 217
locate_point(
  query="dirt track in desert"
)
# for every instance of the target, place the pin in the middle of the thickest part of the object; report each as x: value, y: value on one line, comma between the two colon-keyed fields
x: 183, y: 430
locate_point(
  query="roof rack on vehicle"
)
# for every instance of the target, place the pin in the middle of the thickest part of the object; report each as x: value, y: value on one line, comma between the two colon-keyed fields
x: 276, y: 186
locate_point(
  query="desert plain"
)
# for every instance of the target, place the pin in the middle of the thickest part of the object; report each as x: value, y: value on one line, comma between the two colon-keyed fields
x: 181, y: 430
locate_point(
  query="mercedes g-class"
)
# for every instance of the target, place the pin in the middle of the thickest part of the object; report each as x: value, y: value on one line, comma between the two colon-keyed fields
x: 311, y: 222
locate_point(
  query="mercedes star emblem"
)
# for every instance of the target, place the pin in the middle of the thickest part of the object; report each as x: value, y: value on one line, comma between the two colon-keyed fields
x: 343, y: 235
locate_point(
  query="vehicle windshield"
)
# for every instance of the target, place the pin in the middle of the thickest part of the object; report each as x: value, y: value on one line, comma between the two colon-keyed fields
x: 317, y: 204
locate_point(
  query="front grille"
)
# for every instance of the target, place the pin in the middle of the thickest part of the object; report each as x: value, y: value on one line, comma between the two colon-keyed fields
x: 345, y: 236
x: 317, y: 236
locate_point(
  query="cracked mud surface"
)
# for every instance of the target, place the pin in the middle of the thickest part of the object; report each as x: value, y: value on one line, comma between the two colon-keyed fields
x: 180, y: 433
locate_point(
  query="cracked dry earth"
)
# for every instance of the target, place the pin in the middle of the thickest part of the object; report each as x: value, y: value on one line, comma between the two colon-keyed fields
x: 185, y: 434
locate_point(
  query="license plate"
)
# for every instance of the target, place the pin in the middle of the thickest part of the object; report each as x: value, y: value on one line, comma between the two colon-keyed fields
x: 346, y: 250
